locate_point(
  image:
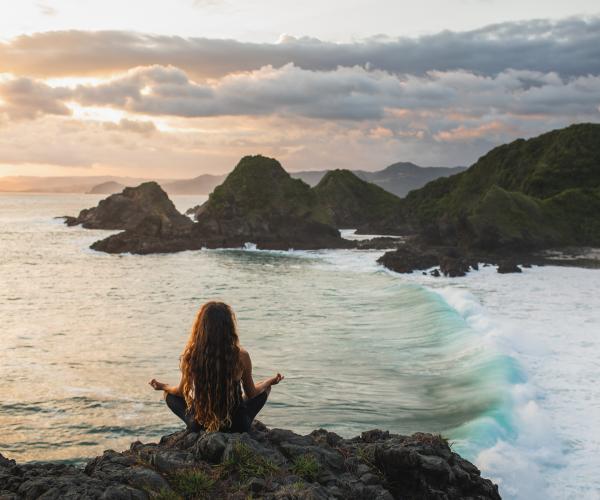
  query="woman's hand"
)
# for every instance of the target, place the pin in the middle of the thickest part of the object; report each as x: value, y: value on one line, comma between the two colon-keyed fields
x: 276, y: 379
x: 158, y: 386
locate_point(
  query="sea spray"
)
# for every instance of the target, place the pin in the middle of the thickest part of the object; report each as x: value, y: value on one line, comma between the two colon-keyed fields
x: 514, y: 442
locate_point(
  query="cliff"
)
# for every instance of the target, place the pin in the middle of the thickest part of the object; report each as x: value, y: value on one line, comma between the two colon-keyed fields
x: 267, y: 463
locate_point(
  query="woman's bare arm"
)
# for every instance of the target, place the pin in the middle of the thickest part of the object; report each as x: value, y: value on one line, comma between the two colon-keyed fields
x: 252, y: 389
x: 174, y: 390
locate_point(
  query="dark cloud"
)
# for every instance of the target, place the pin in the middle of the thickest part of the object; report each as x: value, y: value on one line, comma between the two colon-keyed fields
x: 570, y: 47
x: 342, y: 94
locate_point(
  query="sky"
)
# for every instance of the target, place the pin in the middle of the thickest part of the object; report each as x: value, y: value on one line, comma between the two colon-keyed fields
x: 179, y: 88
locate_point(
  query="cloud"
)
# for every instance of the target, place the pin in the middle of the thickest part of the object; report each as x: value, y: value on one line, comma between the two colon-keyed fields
x: 569, y: 47
x: 46, y: 9
x: 354, y: 94
x: 142, y: 127
x: 342, y: 94
x: 24, y: 98
x: 157, y: 103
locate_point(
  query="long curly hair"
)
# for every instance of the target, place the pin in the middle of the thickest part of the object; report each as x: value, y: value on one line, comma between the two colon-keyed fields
x: 210, y: 367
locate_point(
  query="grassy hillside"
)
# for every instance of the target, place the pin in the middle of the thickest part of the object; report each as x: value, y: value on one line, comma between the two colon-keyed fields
x: 260, y: 185
x: 529, y: 193
x: 350, y: 202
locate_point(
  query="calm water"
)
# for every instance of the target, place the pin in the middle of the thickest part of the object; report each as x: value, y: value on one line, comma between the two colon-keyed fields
x: 84, y: 332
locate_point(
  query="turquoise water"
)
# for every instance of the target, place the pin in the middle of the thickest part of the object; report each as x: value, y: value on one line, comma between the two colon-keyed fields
x: 361, y: 348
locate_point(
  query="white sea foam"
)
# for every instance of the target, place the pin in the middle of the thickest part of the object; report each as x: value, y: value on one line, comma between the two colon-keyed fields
x: 548, y: 319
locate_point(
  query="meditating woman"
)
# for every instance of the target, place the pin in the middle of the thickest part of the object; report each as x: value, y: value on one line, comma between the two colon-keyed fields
x: 214, y: 367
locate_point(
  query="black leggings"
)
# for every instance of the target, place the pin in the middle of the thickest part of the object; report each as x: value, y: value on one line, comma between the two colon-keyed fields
x: 242, y: 417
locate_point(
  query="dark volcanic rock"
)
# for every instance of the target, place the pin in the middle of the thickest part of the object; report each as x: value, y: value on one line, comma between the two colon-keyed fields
x: 408, y: 258
x: 267, y: 464
x: 126, y: 210
x: 414, y: 256
x: 454, y: 267
x: 153, y: 234
x: 506, y: 267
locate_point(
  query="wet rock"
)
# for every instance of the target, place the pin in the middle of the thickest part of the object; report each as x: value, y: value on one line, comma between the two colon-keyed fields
x: 454, y: 267
x: 507, y: 267
x: 407, y: 258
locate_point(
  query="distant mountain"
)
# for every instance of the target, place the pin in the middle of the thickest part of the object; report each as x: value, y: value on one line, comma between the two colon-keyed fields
x: 533, y: 193
x: 399, y: 178
x: 203, y: 184
x: 351, y: 202
x: 63, y: 184
x: 109, y: 187
x: 402, y: 177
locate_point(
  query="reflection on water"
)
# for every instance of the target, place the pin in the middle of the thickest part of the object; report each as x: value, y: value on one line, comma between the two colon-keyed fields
x: 83, y: 333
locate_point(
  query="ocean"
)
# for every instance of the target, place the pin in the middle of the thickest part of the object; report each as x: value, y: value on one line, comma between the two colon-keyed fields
x: 505, y: 366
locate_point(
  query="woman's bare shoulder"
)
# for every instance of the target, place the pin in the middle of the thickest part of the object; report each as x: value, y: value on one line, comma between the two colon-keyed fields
x: 244, y: 355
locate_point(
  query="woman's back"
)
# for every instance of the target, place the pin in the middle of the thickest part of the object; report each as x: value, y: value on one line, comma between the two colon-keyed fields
x: 214, y: 367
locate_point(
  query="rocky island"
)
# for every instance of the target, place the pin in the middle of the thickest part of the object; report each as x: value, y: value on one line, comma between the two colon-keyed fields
x: 259, y: 202
x: 267, y: 463
x: 514, y: 207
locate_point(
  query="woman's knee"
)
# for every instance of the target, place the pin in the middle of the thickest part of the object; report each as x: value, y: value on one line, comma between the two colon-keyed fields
x: 176, y: 404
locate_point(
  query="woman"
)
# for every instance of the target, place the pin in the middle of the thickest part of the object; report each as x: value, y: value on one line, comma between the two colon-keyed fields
x: 213, y: 368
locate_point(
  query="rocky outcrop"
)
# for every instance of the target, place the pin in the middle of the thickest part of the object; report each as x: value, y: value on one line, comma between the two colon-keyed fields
x: 507, y: 266
x: 408, y: 258
x: 352, y: 203
x: 260, y: 203
x: 413, y: 256
x: 126, y: 210
x: 267, y: 463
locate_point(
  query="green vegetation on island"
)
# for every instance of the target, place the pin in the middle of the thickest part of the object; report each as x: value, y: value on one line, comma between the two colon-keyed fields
x: 528, y: 194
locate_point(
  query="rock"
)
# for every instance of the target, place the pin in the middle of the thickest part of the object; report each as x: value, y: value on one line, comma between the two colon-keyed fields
x: 435, y: 273
x: 211, y: 446
x: 256, y: 485
x: 126, y: 210
x: 506, y: 267
x: 257, y: 203
x: 378, y: 243
x: 454, y: 267
x: 408, y: 258
x: 268, y: 463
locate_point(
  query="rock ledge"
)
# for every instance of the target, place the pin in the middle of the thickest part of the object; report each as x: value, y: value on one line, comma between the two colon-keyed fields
x: 267, y: 463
